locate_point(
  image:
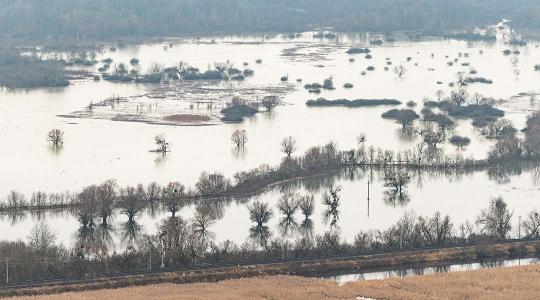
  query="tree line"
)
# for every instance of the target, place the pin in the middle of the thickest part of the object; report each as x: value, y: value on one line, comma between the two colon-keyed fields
x: 121, y: 18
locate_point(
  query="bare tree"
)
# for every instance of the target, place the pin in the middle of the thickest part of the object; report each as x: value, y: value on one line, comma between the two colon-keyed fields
x: 16, y: 200
x: 183, y: 67
x: 397, y: 180
x: 307, y: 205
x: 120, y: 68
x: 459, y: 97
x: 155, y: 69
x: 161, y: 143
x: 496, y: 219
x: 239, y: 138
x: 201, y: 225
x: 106, y: 194
x: 41, y: 239
x: 331, y: 199
x: 461, y: 78
x: 432, y: 138
x: 212, y: 184
x: 531, y: 225
x: 56, y: 137
x: 288, y: 145
x: 514, y: 61
x: 260, y: 213
x: 173, y: 196
x: 436, y: 230
x: 400, y: 71
x: 361, y: 139
x: 477, y: 98
x: 288, y: 204
x: 131, y: 202
x: 270, y: 102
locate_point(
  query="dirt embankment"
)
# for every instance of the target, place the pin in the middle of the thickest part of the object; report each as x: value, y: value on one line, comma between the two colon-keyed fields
x: 489, y: 284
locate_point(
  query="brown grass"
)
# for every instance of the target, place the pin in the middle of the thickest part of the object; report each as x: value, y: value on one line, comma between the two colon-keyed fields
x: 187, y: 118
x: 505, y: 283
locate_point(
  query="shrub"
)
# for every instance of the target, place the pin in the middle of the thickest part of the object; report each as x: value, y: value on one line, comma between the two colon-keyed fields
x: 460, y: 141
x: 237, y: 113
x: 352, y: 103
x: 358, y: 50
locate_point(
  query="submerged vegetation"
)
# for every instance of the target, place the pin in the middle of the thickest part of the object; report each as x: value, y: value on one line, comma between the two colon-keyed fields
x: 21, y: 71
x: 352, y: 103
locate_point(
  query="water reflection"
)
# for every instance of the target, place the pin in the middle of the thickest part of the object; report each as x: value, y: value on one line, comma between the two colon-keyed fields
x: 130, y: 233
x: 416, y: 271
x: 160, y: 160
x: 331, y: 200
x: 56, y: 150
x: 239, y: 153
x: 325, y: 203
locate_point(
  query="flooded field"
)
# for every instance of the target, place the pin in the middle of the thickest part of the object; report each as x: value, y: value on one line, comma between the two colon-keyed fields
x: 402, y: 273
x: 114, y: 142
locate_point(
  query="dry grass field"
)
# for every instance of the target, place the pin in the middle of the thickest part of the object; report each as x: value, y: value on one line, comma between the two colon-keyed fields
x: 503, y: 283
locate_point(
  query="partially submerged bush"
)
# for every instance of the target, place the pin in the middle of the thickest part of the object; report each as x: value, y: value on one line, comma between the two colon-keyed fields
x: 352, y: 103
x: 403, y: 116
x: 358, y: 51
x: 237, y: 111
x: 478, y: 80
x: 460, y: 141
x: 328, y: 84
x: 211, y: 75
x: 475, y: 111
x: 18, y: 71
x: 248, y: 72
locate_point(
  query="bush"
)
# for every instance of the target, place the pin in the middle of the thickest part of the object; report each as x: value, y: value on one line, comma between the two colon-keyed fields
x: 352, y: 103
x: 357, y: 50
x: 403, y: 116
x: 478, y: 80
x: 191, y: 76
x: 460, y: 141
x: 238, y: 77
x: 328, y: 84
x: 117, y: 77
x: 315, y: 85
x: 212, y: 75
x: 475, y: 111
x: 237, y: 113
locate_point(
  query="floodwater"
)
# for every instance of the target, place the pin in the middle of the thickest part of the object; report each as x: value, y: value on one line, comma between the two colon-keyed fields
x: 99, y: 149
x: 407, y: 272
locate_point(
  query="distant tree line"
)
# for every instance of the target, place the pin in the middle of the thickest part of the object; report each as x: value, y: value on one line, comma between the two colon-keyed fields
x: 142, y: 18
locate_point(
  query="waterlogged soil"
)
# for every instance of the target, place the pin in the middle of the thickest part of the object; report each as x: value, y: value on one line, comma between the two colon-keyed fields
x: 178, y: 103
x: 114, y: 139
